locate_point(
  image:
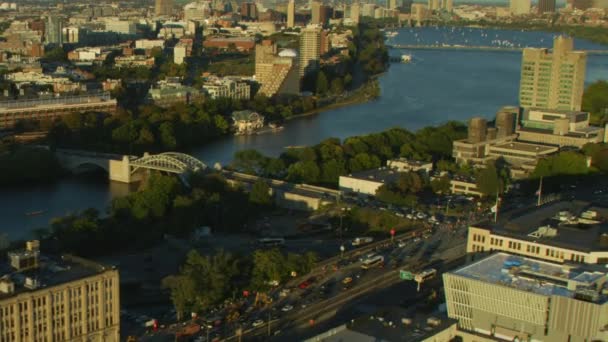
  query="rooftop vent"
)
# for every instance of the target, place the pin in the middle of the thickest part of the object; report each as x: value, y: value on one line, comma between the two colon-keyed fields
x: 7, y: 286
x: 26, y: 259
x: 433, y: 321
x: 589, y: 214
x: 31, y: 283
x: 544, y: 231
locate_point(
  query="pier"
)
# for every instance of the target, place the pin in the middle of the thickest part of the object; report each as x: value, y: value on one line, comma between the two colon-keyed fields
x: 474, y: 48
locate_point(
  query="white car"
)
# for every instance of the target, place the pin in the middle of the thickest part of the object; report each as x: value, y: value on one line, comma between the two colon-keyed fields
x: 401, y: 244
x: 287, y: 308
x: 257, y: 323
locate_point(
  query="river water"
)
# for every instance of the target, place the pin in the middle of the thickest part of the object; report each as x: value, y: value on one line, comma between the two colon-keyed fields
x: 437, y: 86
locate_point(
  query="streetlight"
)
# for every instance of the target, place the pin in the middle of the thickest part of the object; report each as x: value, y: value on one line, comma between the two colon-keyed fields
x: 209, y: 327
x: 342, y: 210
x: 342, y: 248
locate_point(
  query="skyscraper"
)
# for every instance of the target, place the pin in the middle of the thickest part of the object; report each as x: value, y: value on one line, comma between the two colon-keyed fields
x: 546, y: 6
x: 520, y: 7
x: 163, y: 7
x: 291, y: 13
x: 53, y: 30
x: 355, y: 12
x: 310, y: 49
x: 392, y: 4
x: 319, y: 13
x: 553, y: 80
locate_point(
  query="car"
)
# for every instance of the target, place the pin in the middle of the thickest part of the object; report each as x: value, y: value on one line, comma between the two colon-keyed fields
x: 287, y: 308
x: 306, y: 283
x: 257, y: 323
x: 401, y: 244
x: 347, y: 280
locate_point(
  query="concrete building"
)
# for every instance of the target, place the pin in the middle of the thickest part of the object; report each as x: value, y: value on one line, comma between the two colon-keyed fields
x: 49, y: 108
x: 546, y: 6
x: 163, y: 8
x: 513, y: 298
x: 169, y: 92
x: 249, y: 11
x: 553, y: 80
x: 464, y: 186
x: 147, y: 44
x: 419, y: 12
x: 226, y: 87
x: 47, y: 298
x: 520, y: 7
x: 355, y: 12
x: 180, y: 52
x: 310, y: 50
x: 291, y: 14
x: 407, y: 165
x: 277, y: 73
x: 368, y: 10
x: 320, y: 13
x: 197, y: 11
x: 558, y: 128
x: 367, y: 182
x: 558, y: 232
x: 126, y: 27
x: 447, y: 5
x: 53, y: 30
x: 433, y: 5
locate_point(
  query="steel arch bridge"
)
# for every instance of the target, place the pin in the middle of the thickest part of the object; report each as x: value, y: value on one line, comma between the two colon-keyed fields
x: 173, y: 162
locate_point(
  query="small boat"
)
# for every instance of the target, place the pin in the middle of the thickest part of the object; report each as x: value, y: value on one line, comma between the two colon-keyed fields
x: 406, y: 58
x: 35, y: 213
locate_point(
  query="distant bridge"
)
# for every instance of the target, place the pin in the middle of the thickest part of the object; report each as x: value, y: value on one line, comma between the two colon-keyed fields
x: 127, y: 168
x: 475, y: 48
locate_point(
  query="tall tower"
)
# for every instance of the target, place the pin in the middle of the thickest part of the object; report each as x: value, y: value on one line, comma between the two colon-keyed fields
x: 553, y: 80
x: 291, y: 13
x: 546, y: 6
x: 520, y: 7
x: 392, y: 4
x: 355, y: 12
x: 315, y: 11
x: 310, y: 50
x: 54, y: 30
x: 163, y: 7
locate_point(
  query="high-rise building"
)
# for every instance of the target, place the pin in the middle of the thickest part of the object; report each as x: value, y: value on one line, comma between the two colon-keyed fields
x: 277, y: 73
x: 57, y: 298
x: 291, y: 13
x: 315, y: 13
x: 392, y: 4
x: 54, y: 30
x: 249, y: 10
x: 506, y: 297
x: 546, y: 6
x: 520, y: 7
x: 433, y: 5
x: 310, y: 50
x: 419, y: 12
x: 447, y: 5
x: 163, y: 7
x: 553, y: 80
x: 355, y: 12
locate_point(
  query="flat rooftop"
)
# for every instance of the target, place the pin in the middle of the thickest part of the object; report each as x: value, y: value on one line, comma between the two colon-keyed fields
x: 564, y: 224
x: 381, y: 175
x: 540, y: 277
x: 52, y: 271
x: 525, y: 147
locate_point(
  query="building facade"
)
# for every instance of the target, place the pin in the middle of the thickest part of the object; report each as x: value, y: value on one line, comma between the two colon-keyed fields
x: 229, y: 88
x: 163, y: 7
x: 558, y: 232
x: 511, y: 298
x: 291, y: 14
x: 276, y: 72
x: 546, y: 6
x: 520, y: 7
x: 553, y: 80
x: 62, y: 299
x: 310, y: 50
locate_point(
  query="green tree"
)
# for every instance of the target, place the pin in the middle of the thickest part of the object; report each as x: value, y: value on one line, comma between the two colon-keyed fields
x: 321, y: 83
x: 488, y: 181
x: 337, y: 86
x: 260, y: 193
x: 595, y: 101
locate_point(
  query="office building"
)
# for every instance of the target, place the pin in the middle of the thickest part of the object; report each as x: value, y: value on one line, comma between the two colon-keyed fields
x: 355, y: 12
x: 558, y: 128
x: 227, y: 87
x: 565, y: 231
x: 291, y: 14
x: 249, y: 11
x: 392, y: 4
x: 126, y: 27
x: 277, y: 72
x: 14, y: 111
x: 54, y: 30
x: 553, y: 80
x: 520, y: 7
x: 47, y: 298
x: 163, y: 7
x: 433, y: 5
x: 546, y: 6
x: 197, y: 11
x: 419, y: 12
x: 513, y: 298
x: 315, y: 13
x: 310, y: 50
x: 367, y: 182
x: 447, y: 5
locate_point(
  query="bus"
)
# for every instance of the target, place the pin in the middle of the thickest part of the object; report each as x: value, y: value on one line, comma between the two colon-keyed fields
x: 426, y: 275
x: 271, y: 242
x: 372, y: 262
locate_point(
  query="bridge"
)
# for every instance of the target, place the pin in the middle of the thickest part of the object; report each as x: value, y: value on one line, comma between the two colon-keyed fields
x: 475, y: 48
x: 128, y: 168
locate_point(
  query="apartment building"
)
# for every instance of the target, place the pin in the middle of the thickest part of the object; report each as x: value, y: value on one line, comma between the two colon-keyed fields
x: 227, y: 87
x: 47, y: 298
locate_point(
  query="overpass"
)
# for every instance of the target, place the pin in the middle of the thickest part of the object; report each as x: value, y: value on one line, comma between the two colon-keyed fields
x: 128, y: 168
x: 474, y: 48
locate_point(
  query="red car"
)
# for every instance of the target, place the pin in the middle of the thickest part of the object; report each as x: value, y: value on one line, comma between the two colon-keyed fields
x: 306, y: 283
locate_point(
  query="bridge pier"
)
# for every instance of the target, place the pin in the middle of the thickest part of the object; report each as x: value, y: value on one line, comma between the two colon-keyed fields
x: 120, y: 171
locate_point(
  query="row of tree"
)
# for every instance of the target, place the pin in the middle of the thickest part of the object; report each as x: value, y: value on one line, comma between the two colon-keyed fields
x: 207, y: 280
x: 162, y: 206
x: 326, y: 162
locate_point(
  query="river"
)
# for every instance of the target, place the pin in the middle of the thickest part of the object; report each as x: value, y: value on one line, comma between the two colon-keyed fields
x: 437, y: 86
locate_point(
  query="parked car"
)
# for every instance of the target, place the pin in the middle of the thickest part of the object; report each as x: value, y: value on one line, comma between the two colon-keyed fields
x: 287, y: 308
x: 257, y: 323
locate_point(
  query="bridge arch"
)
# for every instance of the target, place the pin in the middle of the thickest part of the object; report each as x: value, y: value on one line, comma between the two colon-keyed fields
x: 173, y: 162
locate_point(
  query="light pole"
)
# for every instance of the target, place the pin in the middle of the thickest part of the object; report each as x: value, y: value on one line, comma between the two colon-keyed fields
x: 208, y: 330
x: 268, y: 322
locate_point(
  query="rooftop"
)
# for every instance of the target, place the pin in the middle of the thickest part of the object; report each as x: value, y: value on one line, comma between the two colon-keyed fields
x: 381, y: 175
x: 51, y: 271
x: 575, y: 225
x: 539, y: 277
x: 525, y: 147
